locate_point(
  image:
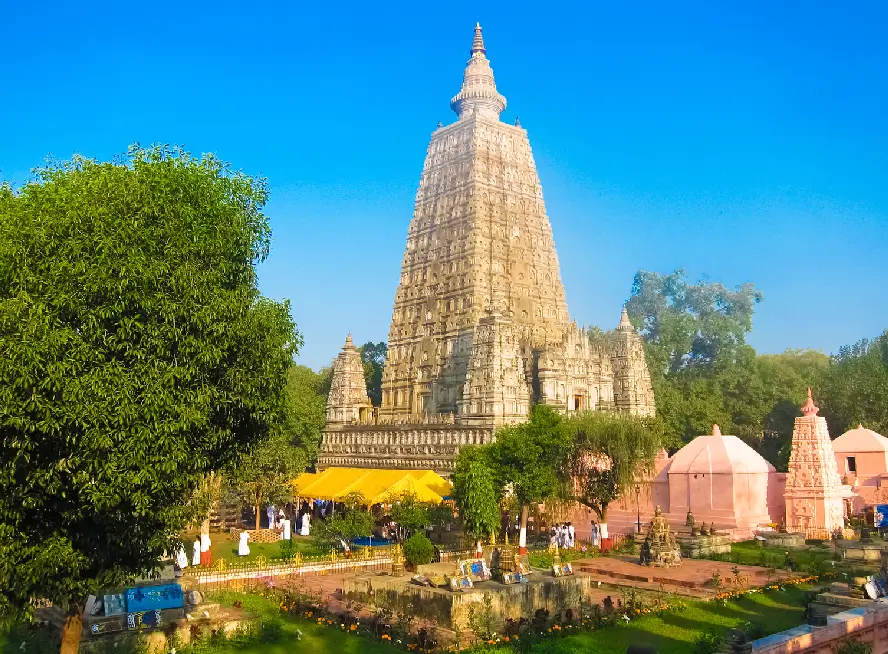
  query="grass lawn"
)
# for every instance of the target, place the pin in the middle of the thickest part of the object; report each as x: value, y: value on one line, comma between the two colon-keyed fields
x: 315, y: 638
x: 674, y: 632
x: 227, y: 549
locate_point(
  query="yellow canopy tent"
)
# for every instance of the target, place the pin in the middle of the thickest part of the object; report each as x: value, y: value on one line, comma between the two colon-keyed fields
x: 375, y: 485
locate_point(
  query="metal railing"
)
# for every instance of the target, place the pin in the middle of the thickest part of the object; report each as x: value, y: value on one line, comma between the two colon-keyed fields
x: 262, y: 572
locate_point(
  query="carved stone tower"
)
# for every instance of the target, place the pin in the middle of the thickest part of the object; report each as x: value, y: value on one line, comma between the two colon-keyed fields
x: 633, y: 392
x: 814, y: 492
x: 480, y: 328
x: 348, y: 401
x: 480, y: 241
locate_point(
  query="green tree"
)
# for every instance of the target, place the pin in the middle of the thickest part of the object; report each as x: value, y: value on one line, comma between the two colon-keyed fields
x: 341, y: 528
x: 528, y: 457
x: 373, y: 356
x: 476, y: 492
x: 408, y: 513
x: 608, y: 454
x: 306, y: 403
x: 855, y: 386
x: 689, y: 325
x: 137, y: 357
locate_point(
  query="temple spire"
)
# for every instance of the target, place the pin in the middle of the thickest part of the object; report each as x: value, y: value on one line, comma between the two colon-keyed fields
x: 478, y: 95
x: 624, y: 320
x: 809, y: 407
x: 478, y: 41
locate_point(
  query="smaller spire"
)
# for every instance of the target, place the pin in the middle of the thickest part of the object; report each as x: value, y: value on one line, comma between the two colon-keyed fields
x: 478, y: 41
x: 624, y: 320
x: 348, y: 342
x: 809, y: 408
x: 517, y: 122
x: 716, y: 430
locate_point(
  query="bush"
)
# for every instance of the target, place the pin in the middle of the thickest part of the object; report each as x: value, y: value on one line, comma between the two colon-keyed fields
x: 854, y: 647
x: 288, y: 549
x: 418, y: 550
x: 707, y: 643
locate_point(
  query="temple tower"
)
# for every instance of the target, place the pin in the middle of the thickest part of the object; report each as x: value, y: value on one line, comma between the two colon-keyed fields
x: 814, y: 492
x: 348, y: 401
x: 633, y: 392
x: 479, y: 242
x: 480, y: 328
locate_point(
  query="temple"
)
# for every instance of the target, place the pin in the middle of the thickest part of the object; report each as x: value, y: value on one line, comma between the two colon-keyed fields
x: 480, y: 329
x: 815, y: 495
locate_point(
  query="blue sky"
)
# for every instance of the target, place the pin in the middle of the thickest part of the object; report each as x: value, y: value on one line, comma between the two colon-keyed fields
x: 743, y: 141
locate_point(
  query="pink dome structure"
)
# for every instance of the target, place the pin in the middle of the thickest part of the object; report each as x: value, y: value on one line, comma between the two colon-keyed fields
x: 721, y: 479
x: 862, y: 458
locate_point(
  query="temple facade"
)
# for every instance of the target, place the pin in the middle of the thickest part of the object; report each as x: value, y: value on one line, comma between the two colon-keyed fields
x: 480, y: 329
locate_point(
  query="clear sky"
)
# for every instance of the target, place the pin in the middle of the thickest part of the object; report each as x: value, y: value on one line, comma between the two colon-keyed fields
x: 743, y: 141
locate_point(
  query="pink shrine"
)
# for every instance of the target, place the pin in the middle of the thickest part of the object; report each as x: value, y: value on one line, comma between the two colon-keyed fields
x: 862, y: 458
x: 815, y: 495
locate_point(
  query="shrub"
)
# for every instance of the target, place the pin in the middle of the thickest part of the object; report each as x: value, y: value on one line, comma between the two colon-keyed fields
x: 854, y: 647
x: 707, y: 643
x: 418, y: 550
x: 288, y: 549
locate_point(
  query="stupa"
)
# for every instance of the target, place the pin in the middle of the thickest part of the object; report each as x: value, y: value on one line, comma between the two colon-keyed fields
x: 480, y: 329
x: 814, y: 492
x: 660, y: 548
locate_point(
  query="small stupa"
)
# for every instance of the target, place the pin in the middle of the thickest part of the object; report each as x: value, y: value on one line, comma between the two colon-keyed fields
x: 660, y: 548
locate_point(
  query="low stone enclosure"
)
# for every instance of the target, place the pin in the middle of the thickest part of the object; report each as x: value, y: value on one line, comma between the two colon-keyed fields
x: 592, y: 581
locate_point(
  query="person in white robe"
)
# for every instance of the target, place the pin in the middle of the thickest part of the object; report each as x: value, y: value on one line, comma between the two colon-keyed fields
x: 242, y: 548
x: 195, y: 557
x: 571, y: 535
x: 595, y: 538
x: 285, y: 529
x: 181, y: 558
x: 306, y: 525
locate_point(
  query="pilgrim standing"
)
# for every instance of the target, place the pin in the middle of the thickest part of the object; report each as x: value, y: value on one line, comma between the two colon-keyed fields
x: 243, y: 549
x: 195, y: 557
x: 306, y: 525
x: 571, y: 535
x: 270, y: 512
x: 181, y: 557
x: 206, y: 557
x: 285, y: 529
x: 595, y: 540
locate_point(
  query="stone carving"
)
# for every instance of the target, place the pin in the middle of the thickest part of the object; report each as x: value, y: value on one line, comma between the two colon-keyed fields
x: 814, y: 491
x: 348, y: 401
x: 660, y: 548
x: 480, y: 328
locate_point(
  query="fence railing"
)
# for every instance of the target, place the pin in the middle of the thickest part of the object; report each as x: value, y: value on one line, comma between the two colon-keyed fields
x: 263, y: 572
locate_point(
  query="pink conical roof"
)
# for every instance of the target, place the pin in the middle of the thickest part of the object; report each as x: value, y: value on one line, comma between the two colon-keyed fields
x: 718, y: 455
x: 860, y: 439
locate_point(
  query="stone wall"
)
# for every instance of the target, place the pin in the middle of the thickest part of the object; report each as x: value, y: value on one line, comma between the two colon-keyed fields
x: 416, y: 446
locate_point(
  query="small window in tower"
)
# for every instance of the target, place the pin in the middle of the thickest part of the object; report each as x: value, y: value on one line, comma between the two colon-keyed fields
x: 852, y: 464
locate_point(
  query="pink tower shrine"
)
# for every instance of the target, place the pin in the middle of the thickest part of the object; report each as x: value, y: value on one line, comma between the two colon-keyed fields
x: 814, y: 491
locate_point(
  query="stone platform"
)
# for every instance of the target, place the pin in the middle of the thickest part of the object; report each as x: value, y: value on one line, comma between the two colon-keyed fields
x: 692, y: 578
x: 782, y: 539
x: 451, y: 609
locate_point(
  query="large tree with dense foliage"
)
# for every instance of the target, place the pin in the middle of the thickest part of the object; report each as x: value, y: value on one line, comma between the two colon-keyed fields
x: 137, y: 357
x: 608, y: 453
x: 265, y: 475
x: 476, y: 492
x: 373, y: 357
x: 855, y: 386
x: 527, y: 457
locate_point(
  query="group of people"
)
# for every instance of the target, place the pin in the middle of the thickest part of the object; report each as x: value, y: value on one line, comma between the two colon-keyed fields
x: 562, y: 535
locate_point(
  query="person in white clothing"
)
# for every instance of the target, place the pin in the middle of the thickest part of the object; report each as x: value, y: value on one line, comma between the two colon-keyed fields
x: 242, y: 548
x: 181, y: 558
x: 595, y: 539
x: 195, y: 557
x: 306, y: 525
x: 285, y: 529
x: 571, y: 535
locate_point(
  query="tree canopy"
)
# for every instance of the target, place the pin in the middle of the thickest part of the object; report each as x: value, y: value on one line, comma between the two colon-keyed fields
x: 136, y: 357
x: 373, y: 357
x: 608, y: 454
x: 476, y: 492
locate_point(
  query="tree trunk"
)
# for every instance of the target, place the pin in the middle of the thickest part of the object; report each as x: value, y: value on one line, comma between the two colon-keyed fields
x: 258, y: 506
x: 71, y: 632
x: 603, y: 524
x: 522, y: 533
